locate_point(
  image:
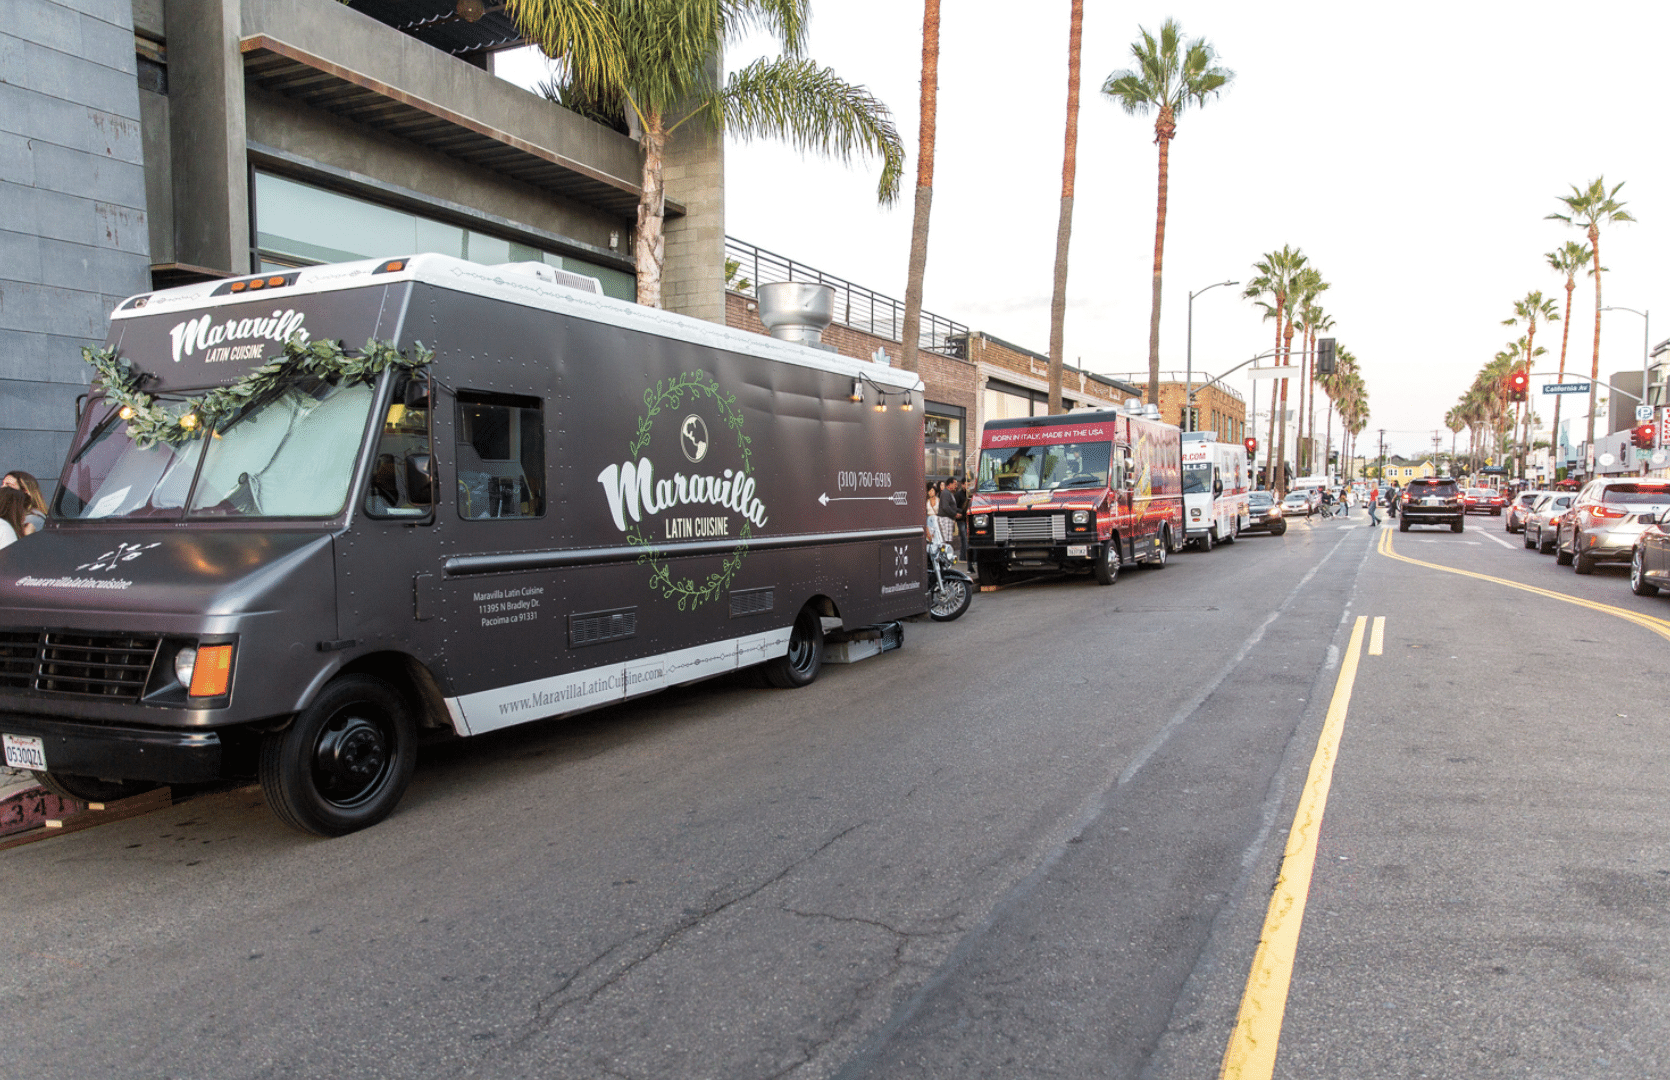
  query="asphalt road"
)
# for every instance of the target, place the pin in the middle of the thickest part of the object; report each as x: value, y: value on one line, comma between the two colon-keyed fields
x: 1039, y: 841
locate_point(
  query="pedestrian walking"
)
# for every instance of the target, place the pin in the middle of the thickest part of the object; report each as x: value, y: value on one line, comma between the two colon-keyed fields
x: 18, y: 480
x: 1374, y: 507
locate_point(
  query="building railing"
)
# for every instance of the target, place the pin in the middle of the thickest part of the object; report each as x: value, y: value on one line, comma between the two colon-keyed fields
x: 748, y: 266
x: 1201, y: 378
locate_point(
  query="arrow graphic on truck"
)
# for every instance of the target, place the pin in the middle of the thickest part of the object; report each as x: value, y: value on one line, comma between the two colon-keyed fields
x: 898, y: 498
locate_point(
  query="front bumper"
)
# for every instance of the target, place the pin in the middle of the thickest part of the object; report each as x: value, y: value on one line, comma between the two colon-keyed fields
x: 114, y: 752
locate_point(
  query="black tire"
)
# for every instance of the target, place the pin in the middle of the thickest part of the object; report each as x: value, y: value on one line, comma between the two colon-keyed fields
x: 1106, y: 569
x: 1638, y: 583
x: 949, y: 603
x: 1278, y: 530
x: 1458, y: 524
x: 989, y: 571
x: 1545, y: 546
x: 1582, y: 563
x: 1162, y: 549
x: 801, y: 664
x: 1528, y: 542
x: 1403, y: 524
x: 344, y: 762
x: 1561, y: 555
x: 1206, y: 541
x: 92, y: 789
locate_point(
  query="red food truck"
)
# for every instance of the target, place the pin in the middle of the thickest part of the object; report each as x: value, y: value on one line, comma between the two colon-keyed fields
x: 1093, y: 490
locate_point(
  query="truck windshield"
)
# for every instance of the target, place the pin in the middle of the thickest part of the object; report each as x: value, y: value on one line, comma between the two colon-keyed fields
x: 1044, y: 468
x: 288, y: 454
x: 1197, y: 477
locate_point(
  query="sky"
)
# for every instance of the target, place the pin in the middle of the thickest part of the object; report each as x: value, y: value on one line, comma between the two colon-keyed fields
x: 1411, y: 151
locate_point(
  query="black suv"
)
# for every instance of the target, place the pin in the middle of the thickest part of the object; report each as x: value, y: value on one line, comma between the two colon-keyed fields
x: 1432, y: 502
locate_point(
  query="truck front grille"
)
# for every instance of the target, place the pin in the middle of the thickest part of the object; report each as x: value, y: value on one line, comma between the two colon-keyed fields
x: 79, y: 663
x: 1011, y: 527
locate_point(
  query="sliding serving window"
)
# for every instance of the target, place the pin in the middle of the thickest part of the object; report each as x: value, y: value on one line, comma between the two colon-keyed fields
x: 501, y: 456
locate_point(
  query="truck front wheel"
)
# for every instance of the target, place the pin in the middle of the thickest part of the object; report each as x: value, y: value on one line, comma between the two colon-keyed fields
x: 1107, y: 567
x: 344, y: 762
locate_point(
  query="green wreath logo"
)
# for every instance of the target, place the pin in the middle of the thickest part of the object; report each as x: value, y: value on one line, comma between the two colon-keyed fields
x: 665, y: 396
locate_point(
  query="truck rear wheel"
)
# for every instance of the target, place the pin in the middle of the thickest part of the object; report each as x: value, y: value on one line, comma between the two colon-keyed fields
x: 344, y: 762
x: 800, y: 665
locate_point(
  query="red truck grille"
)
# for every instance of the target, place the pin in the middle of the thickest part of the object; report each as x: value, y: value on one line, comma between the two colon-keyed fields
x: 1030, y: 527
x: 85, y: 664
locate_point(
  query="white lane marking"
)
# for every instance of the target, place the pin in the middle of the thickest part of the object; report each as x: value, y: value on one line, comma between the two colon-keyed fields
x: 1377, y: 636
x: 1497, y: 540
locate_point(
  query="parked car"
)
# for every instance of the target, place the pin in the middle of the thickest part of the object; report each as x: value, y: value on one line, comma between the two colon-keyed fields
x: 1482, y: 500
x: 1431, y: 501
x: 1520, y: 509
x: 1605, y: 520
x: 1649, y: 561
x: 1543, y: 521
x: 1264, y: 514
x: 1297, y: 502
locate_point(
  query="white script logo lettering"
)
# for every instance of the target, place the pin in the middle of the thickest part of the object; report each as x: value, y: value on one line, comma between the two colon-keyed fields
x: 203, y: 332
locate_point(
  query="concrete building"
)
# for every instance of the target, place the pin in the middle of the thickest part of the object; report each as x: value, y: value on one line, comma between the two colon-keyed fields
x: 148, y: 143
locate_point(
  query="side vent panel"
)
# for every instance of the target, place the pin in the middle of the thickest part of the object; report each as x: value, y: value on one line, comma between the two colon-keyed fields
x: 752, y: 602
x: 597, y: 627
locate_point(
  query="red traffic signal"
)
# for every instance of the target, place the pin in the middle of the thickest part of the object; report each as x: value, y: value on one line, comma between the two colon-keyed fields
x: 1519, y: 386
x: 1644, y: 436
x: 1251, y: 444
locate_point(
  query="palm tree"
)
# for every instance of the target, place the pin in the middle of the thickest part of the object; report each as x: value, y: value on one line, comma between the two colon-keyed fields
x: 918, y: 267
x: 1274, y: 276
x: 1307, y: 286
x: 1532, y: 308
x: 1567, y: 259
x: 1064, y: 227
x: 1590, y: 208
x: 656, y: 59
x: 1169, y: 76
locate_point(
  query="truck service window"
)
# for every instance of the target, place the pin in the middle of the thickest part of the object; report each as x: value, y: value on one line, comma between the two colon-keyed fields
x: 501, y: 456
x: 1044, y: 468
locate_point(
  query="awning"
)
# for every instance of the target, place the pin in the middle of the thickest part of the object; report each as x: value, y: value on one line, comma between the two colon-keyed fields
x: 282, y: 68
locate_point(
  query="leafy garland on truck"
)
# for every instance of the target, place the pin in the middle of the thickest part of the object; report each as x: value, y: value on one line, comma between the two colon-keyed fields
x: 150, y: 423
x: 669, y: 394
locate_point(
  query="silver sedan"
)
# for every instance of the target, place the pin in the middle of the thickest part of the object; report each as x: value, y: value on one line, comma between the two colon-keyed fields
x: 1543, y: 522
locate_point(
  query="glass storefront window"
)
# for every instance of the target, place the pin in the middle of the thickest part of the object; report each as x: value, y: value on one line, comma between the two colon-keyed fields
x: 298, y: 224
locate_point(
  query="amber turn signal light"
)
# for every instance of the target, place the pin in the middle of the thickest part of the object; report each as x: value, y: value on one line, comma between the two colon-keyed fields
x: 212, y: 673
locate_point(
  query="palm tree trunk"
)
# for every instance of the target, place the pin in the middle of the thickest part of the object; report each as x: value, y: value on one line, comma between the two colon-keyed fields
x: 1594, y: 366
x: 1565, y: 335
x: 1281, y: 449
x: 1064, y: 229
x: 918, y: 268
x: 650, y: 251
x: 1270, y: 442
x: 1164, y: 128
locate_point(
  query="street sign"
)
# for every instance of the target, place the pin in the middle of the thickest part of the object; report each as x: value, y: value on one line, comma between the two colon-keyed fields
x: 1643, y: 455
x: 1643, y: 413
x: 1565, y: 388
x: 1290, y: 371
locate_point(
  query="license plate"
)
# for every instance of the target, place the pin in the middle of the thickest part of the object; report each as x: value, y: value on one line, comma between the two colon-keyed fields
x: 1078, y: 551
x: 25, y: 752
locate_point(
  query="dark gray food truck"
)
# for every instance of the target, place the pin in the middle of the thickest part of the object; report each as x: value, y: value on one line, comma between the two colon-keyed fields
x: 577, y: 501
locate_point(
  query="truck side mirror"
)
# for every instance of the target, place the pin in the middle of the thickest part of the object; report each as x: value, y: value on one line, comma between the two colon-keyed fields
x: 417, y: 392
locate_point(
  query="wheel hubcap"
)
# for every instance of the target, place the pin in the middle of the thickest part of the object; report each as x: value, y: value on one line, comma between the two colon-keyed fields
x: 349, y: 759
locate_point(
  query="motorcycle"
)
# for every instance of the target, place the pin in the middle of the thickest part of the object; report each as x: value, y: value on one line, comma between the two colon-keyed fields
x: 951, y: 591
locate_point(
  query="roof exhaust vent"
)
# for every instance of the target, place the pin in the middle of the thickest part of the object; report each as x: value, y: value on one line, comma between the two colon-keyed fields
x: 1151, y: 411
x: 1133, y: 405
x: 797, y: 311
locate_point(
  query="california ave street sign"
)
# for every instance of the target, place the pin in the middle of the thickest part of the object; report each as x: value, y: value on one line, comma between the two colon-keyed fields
x: 1566, y: 388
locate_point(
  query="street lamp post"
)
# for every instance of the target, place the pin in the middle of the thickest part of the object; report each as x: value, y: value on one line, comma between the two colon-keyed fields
x: 1189, y: 371
x: 1646, y: 338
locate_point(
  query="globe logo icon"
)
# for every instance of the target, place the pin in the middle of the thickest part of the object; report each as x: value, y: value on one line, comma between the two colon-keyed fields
x: 692, y: 438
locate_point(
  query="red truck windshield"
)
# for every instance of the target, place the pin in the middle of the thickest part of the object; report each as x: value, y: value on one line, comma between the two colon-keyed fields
x: 1045, y: 468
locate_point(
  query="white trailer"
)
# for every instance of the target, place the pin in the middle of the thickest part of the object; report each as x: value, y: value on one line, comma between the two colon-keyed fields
x: 1216, y: 480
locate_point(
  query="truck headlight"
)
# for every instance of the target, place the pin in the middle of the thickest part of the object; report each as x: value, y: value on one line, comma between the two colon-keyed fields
x: 1081, y: 517
x: 980, y: 520
x: 205, y: 671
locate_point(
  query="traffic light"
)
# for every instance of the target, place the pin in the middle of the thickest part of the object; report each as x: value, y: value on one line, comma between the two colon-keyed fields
x: 1251, y: 444
x: 1644, y: 436
x: 1325, y: 356
x: 1519, y: 386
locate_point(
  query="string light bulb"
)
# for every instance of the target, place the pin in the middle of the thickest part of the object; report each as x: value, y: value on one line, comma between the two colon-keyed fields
x: 907, y: 406
x: 127, y: 412
x: 188, y: 421
x: 881, y: 404
x: 857, y: 390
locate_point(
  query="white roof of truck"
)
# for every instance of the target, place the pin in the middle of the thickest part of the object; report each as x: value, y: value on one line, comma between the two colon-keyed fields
x: 522, y: 284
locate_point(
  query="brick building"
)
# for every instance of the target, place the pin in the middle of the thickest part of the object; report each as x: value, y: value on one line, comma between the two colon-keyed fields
x: 970, y: 377
x: 1218, y: 408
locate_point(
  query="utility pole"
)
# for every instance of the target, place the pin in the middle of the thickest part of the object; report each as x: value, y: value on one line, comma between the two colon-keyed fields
x: 1382, y: 455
